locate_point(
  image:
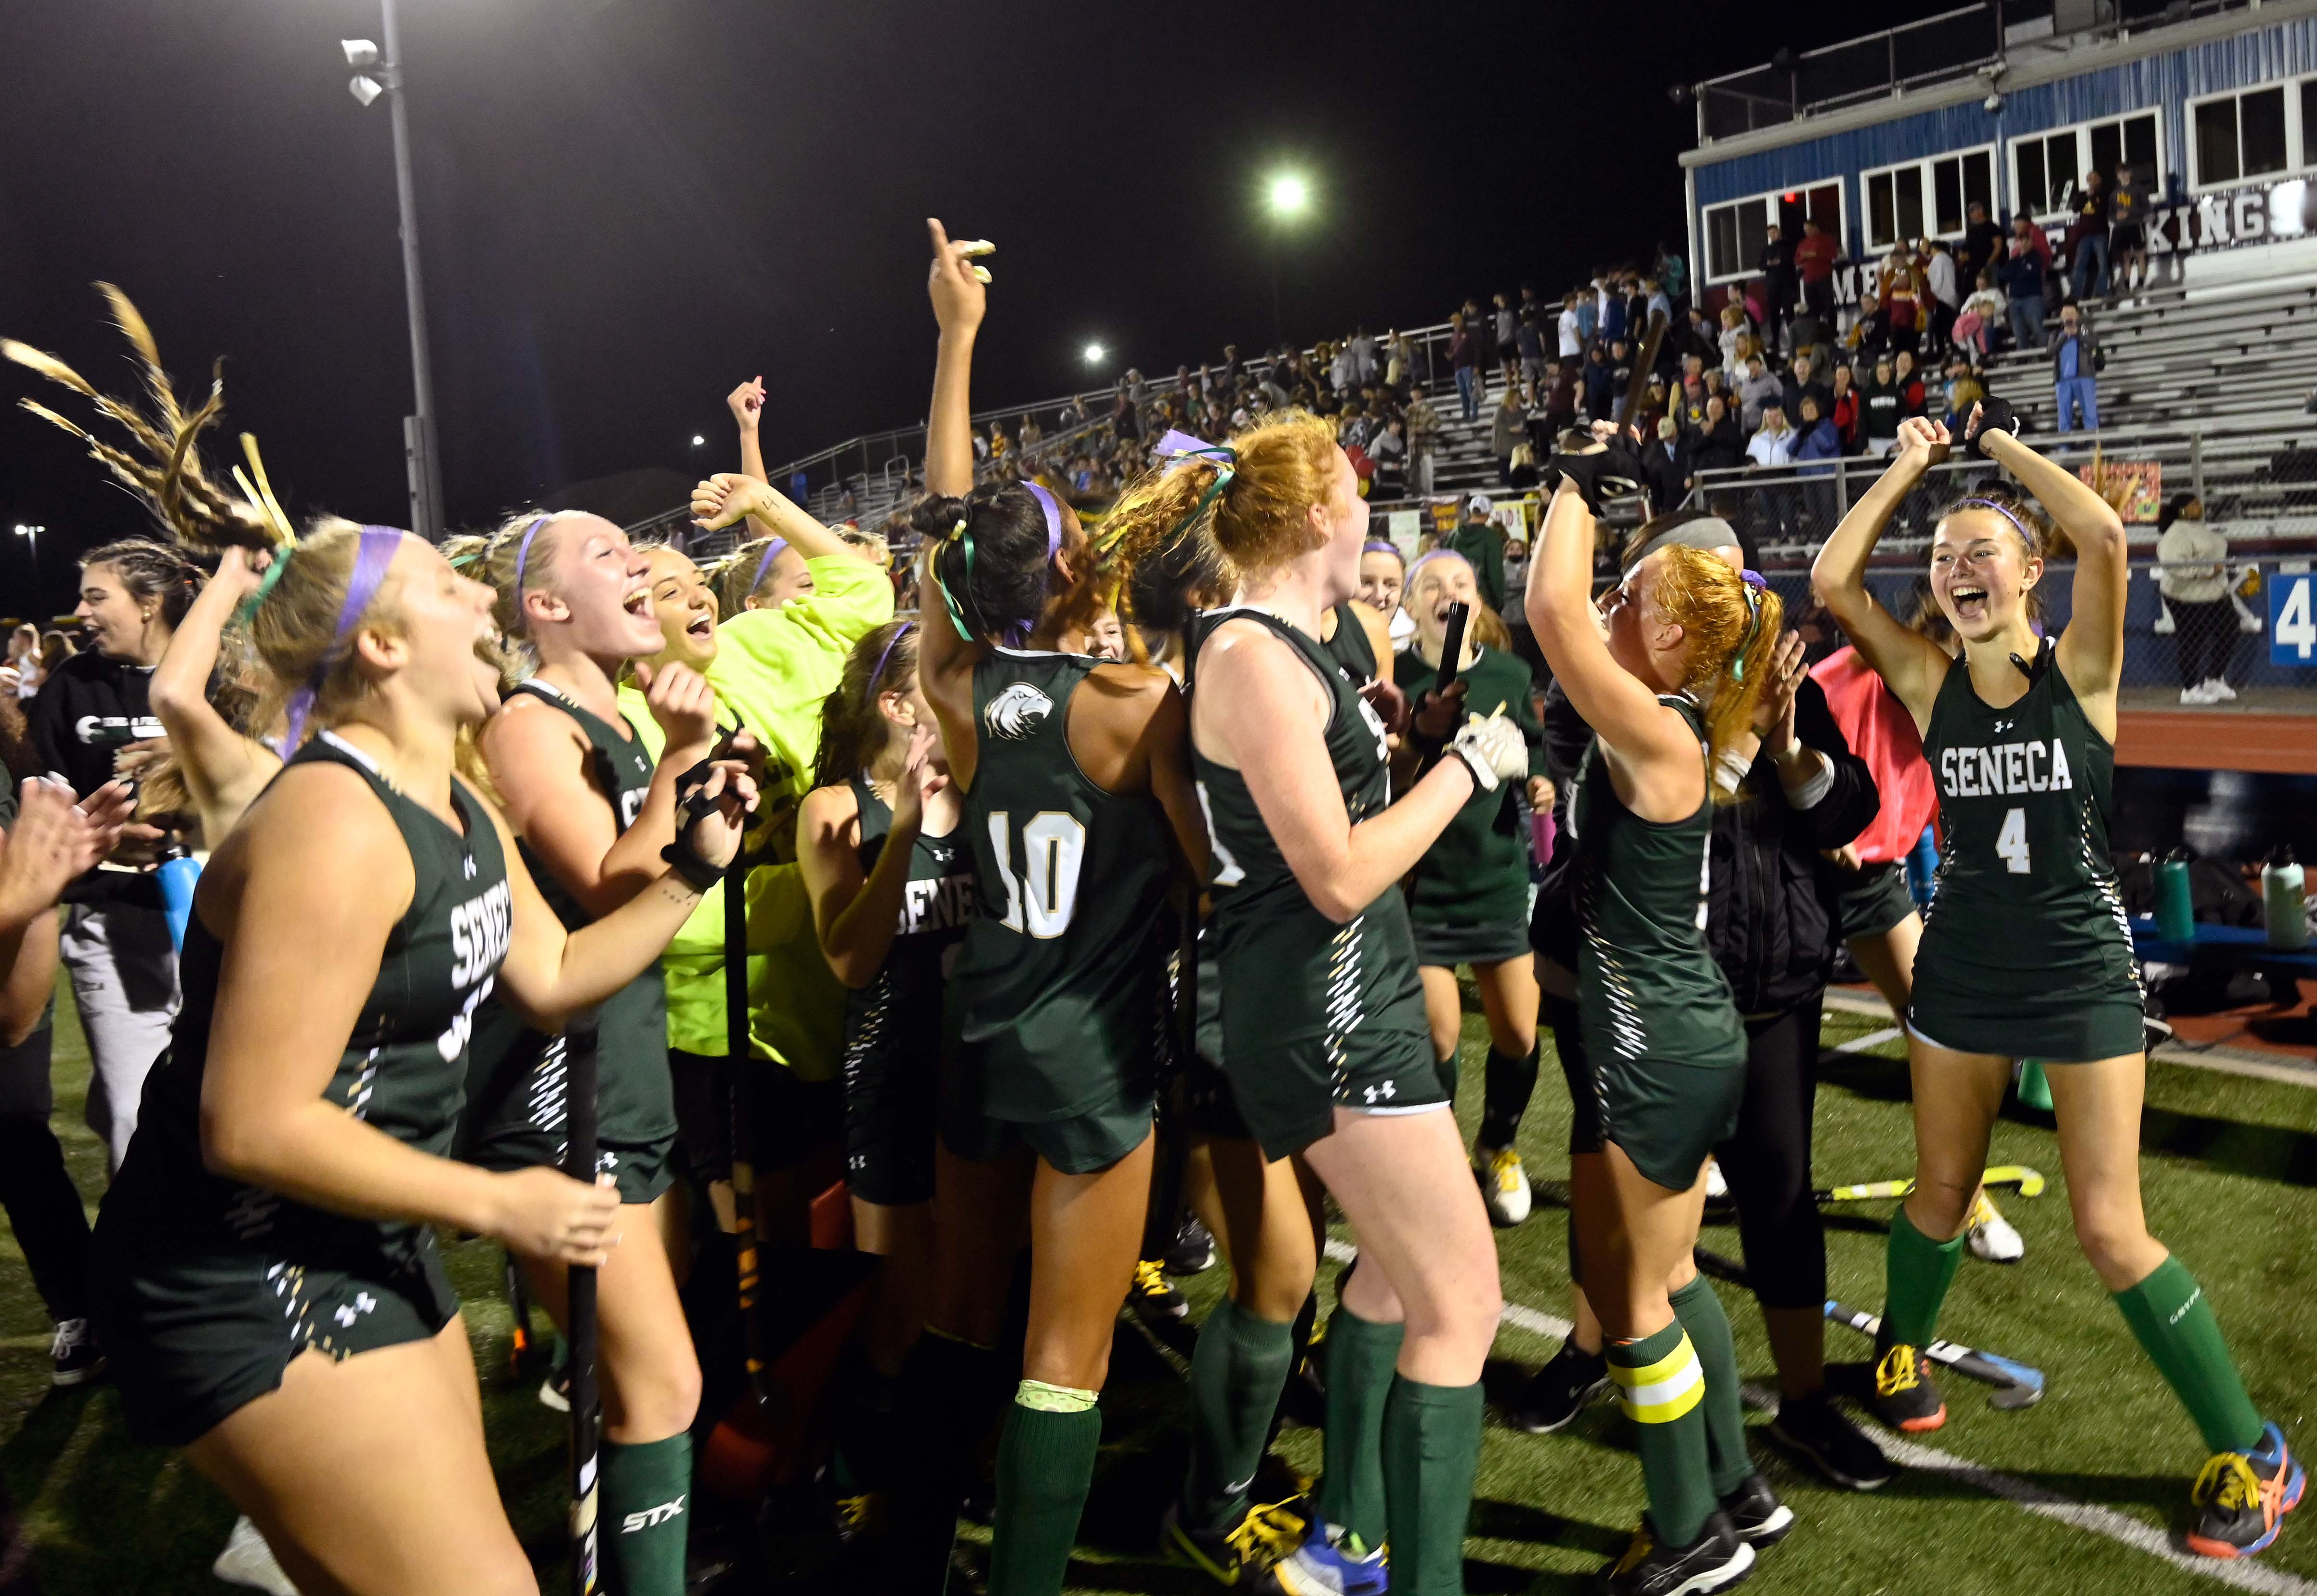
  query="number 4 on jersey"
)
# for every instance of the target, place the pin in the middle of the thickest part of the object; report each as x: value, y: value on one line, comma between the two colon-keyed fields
x: 1053, y: 844
x: 2011, y: 842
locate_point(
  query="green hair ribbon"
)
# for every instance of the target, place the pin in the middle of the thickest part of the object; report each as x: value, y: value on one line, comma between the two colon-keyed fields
x: 266, y: 583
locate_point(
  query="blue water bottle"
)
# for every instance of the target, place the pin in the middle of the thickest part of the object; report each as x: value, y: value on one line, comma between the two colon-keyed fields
x: 177, y: 877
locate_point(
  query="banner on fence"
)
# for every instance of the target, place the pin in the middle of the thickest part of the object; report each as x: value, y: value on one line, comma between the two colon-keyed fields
x: 2142, y: 480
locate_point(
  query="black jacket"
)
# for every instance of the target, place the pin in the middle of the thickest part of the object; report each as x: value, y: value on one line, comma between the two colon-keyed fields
x: 1772, y: 917
x: 82, y: 714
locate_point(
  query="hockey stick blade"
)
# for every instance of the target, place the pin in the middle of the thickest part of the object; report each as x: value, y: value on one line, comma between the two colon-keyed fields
x: 2016, y: 1384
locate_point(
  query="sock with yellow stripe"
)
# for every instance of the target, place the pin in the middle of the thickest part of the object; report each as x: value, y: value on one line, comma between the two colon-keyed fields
x: 1361, y: 1354
x: 1045, y: 1464
x: 1699, y: 1309
x: 1917, y: 1271
x: 2173, y: 1319
x: 1660, y: 1386
x: 1431, y: 1446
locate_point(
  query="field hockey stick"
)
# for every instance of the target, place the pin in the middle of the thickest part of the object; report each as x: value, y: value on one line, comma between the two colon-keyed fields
x: 740, y: 1077
x: 2016, y: 1384
x: 580, y: 1040
x: 1168, y: 1117
x: 2029, y: 1181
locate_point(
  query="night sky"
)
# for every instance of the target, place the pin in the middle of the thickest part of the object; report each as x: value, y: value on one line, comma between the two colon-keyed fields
x: 627, y: 206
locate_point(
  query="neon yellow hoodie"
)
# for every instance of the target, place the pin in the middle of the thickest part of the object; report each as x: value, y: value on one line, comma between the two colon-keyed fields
x: 773, y: 668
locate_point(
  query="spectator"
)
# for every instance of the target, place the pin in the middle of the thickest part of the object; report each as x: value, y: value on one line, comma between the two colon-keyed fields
x: 1759, y: 390
x: 1802, y: 379
x: 1230, y: 368
x: 1689, y: 404
x: 1611, y: 294
x: 1773, y: 443
x: 1665, y: 464
x: 2127, y: 244
x: 1362, y: 350
x: 2023, y: 287
x: 1510, y: 429
x: 1481, y: 542
x: 1777, y: 265
x: 1736, y: 330
x: 2076, y: 358
x: 1589, y: 311
x: 1946, y: 302
x: 1903, y: 293
x: 1982, y: 313
x: 24, y: 660
x: 1719, y: 445
x: 1528, y: 337
x: 1655, y: 302
x: 1464, y: 360
x: 2192, y: 575
x: 1389, y: 449
x: 1883, y: 405
x: 1845, y: 415
x: 1423, y: 438
x: 1817, y: 442
x: 1870, y: 333
x: 1910, y: 385
x: 1672, y: 273
x: 1963, y: 389
x: 1621, y: 378
x: 2088, y: 238
x: 1600, y: 387
x: 1561, y: 397
x: 1982, y: 243
x: 1504, y: 329
x: 1814, y: 259
x: 1572, y: 328
x: 1695, y: 339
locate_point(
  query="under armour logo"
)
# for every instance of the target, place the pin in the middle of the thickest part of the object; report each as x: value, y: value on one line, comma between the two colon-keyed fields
x: 1383, y: 1093
x: 468, y: 864
x: 2004, y: 726
x: 364, y: 1303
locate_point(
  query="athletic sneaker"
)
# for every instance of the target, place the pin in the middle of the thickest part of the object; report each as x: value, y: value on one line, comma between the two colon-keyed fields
x: 78, y: 1358
x: 1241, y: 1557
x: 1558, y: 1391
x: 1153, y: 1295
x: 1715, y: 1561
x: 2217, y: 690
x: 860, y: 1519
x: 247, y: 1561
x: 1992, y: 1238
x: 1755, y: 1513
x: 2199, y: 694
x: 1193, y: 1250
x: 1833, y: 1445
x: 1503, y: 1184
x: 1332, y: 1561
x: 2243, y: 1497
x: 1904, y: 1396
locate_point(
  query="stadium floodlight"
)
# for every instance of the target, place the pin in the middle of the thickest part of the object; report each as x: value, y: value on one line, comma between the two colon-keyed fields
x: 360, y: 52
x: 697, y: 440
x: 1290, y: 194
x: 1093, y: 353
x: 364, y: 89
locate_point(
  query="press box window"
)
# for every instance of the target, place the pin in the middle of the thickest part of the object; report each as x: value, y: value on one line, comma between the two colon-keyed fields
x: 2241, y: 136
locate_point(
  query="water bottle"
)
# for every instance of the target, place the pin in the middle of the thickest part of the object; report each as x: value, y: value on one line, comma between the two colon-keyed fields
x: 2283, y: 906
x: 1542, y: 832
x: 177, y: 877
x: 2176, y: 912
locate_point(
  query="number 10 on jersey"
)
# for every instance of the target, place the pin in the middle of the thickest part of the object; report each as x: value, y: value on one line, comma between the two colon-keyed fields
x: 1042, y: 895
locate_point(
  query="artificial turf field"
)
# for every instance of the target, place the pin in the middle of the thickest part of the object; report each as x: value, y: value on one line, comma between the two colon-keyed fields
x: 2039, y: 1501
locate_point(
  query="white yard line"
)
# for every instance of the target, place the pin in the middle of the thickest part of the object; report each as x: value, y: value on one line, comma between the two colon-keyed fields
x: 1873, y: 1039
x: 2243, y: 1574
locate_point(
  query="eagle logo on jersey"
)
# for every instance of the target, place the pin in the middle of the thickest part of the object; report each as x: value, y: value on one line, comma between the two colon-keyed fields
x: 1015, y: 713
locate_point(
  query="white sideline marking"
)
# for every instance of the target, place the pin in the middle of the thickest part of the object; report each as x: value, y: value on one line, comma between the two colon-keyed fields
x: 1873, y: 1039
x: 2242, y: 1573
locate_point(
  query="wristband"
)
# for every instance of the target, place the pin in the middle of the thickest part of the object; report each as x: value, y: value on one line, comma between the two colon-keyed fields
x: 683, y: 860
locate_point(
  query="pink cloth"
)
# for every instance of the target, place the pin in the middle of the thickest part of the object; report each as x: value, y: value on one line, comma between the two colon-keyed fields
x: 1882, y: 733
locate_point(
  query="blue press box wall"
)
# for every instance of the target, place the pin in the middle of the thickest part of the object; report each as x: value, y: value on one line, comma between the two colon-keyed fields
x: 2168, y: 81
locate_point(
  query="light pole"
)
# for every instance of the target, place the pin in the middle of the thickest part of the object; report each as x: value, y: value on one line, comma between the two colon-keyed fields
x: 376, y: 74
x: 1290, y: 197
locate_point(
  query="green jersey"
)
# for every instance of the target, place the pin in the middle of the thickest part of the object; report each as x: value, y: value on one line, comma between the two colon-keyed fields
x: 1648, y: 989
x: 403, y: 1069
x: 1350, y: 647
x: 2027, y: 917
x: 900, y: 1012
x: 1476, y: 873
x: 515, y: 1075
x: 1290, y: 974
x: 1062, y: 981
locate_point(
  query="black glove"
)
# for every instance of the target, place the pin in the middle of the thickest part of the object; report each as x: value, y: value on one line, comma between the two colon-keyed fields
x: 692, y: 805
x: 1613, y: 472
x: 1995, y: 415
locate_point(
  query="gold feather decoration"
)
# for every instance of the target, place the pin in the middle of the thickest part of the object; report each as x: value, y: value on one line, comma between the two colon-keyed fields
x: 163, y: 465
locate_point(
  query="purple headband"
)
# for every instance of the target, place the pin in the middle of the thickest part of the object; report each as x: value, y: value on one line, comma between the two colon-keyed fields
x: 522, y: 558
x: 2005, y: 512
x: 878, y: 674
x: 1047, y: 503
x: 772, y: 552
x: 1177, y: 443
x: 1379, y: 545
x: 370, y: 562
x: 1756, y: 580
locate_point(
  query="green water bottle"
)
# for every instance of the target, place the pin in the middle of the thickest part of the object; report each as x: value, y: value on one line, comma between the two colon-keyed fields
x: 2284, y: 907
x: 2176, y: 913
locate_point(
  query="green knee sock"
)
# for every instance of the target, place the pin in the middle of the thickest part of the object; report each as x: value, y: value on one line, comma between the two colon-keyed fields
x: 1431, y: 1446
x: 647, y: 1491
x: 2173, y: 1318
x: 952, y: 1389
x: 1045, y: 1463
x: 1708, y: 1327
x: 1510, y: 1083
x: 1917, y: 1271
x: 1660, y: 1386
x: 1237, y: 1374
x: 1360, y: 1358
x: 1450, y: 1073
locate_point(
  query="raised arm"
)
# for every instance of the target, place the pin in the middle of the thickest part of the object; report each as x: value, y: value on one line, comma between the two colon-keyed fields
x: 856, y: 914
x: 960, y: 301
x: 223, y: 770
x: 729, y: 495
x: 747, y: 404
x: 1264, y: 706
x: 1910, y: 665
x: 2091, y: 644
